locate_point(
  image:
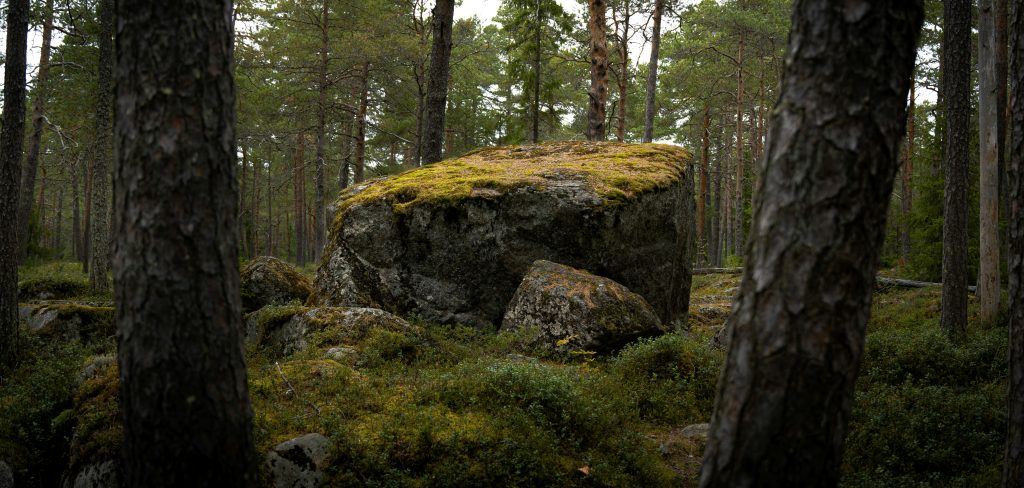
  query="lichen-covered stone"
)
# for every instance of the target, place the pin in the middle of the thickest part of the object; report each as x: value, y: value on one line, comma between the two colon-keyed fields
x: 571, y: 307
x: 287, y: 330
x: 267, y: 280
x: 299, y: 462
x: 71, y: 321
x: 450, y: 242
x: 100, y: 475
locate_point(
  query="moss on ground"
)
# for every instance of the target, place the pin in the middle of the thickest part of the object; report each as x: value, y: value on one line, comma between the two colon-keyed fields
x: 615, y: 171
x: 457, y: 406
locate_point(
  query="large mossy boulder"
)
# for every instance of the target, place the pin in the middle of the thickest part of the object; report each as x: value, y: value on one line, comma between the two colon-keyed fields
x: 450, y: 242
x: 575, y: 308
x: 269, y: 281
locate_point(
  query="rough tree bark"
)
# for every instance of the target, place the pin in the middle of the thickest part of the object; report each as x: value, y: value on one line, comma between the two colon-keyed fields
x: 623, y: 78
x: 538, y: 29
x: 99, y: 253
x: 12, y: 136
x: 988, y: 127
x: 702, y: 194
x: 738, y: 194
x: 437, y: 84
x: 299, y: 194
x: 1013, y: 470
x: 598, y: 94
x: 956, y: 79
x: 652, y: 75
x: 184, y: 397
x: 76, y: 222
x: 28, y: 176
x: 797, y: 330
x: 319, y: 205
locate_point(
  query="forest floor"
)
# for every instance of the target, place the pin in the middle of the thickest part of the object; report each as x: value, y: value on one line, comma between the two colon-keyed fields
x: 456, y: 406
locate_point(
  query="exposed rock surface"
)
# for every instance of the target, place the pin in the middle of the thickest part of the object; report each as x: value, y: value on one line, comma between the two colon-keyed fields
x: 450, y: 242
x: 587, y: 312
x: 298, y: 463
x: 269, y: 281
x: 100, y: 475
x: 288, y: 330
x: 69, y: 321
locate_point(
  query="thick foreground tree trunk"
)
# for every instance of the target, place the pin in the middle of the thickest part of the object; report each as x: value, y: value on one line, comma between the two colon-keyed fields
x: 1013, y: 471
x: 99, y: 256
x: 437, y: 84
x: 956, y: 79
x: 797, y: 332
x: 184, y: 397
x: 652, y: 75
x: 12, y: 136
x: 598, y: 94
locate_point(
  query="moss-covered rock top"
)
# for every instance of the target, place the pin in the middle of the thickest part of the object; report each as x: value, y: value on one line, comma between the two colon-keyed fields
x: 615, y: 171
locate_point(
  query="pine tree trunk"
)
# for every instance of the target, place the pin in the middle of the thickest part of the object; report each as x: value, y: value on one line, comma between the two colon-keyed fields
x: 12, y: 137
x: 908, y: 175
x: 87, y: 229
x: 58, y: 224
x: 714, y: 241
x: 536, y: 74
x: 269, y: 251
x: 184, y: 395
x: 623, y: 79
x: 364, y: 94
x: 797, y: 330
x: 242, y: 214
x: 598, y: 94
x: 956, y: 81
x: 76, y: 223
x: 740, y: 163
x: 319, y: 206
x: 1013, y: 467
x: 28, y: 176
x: 988, y: 125
x: 299, y: 194
x: 652, y: 75
x: 437, y: 84
x: 703, y: 192
x: 99, y: 250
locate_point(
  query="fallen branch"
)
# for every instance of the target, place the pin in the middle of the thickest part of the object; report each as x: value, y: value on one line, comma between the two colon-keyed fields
x: 707, y: 271
x: 880, y: 280
x: 292, y: 390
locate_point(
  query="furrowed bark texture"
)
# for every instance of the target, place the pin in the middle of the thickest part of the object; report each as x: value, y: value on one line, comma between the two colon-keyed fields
x: 598, y: 94
x: 797, y: 332
x: 956, y: 79
x: 12, y: 136
x: 99, y: 250
x: 184, y: 397
x: 437, y: 84
x: 319, y: 204
x: 1013, y: 470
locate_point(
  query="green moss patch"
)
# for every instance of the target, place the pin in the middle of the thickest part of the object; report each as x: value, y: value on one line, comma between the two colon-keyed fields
x: 615, y: 171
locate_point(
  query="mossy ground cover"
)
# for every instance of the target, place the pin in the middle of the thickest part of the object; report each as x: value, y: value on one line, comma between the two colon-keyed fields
x: 615, y: 171
x: 456, y: 406
x: 57, y: 280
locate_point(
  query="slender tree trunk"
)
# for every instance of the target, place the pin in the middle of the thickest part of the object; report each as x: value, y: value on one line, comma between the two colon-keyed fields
x: 652, y: 75
x: 1013, y: 467
x: 319, y: 206
x: 76, y: 223
x: 715, y: 235
x: 956, y: 79
x: 797, y: 330
x: 100, y: 250
x: 41, y: 230
x: 908, y: 174
x: 988, y: 124
x: 623, y: 78
x: 58, y: 223
x: 299, y: 193
x: 536, y: 74
x: 598, y: 94
x: 740, y: 162
x: 28, y: 176
x: 87, y: 230
x: 254, y: 207
x: 270, y: 209
x: 12, y: 138
x: 184, y: 395
x: 437, y: 84
x: 242, y: 214
x: 361, y: 124
x: 702, y: 194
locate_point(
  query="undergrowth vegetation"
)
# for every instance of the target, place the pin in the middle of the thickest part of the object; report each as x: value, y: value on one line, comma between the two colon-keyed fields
x: 458, y: 406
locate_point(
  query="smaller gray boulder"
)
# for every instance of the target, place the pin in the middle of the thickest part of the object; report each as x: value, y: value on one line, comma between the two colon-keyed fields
x: 100, y: 475
x: 298, y: 463
x: 70, y: 321
x: 570, y: 307
x: 288, y: 330
x: 269, y: 281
